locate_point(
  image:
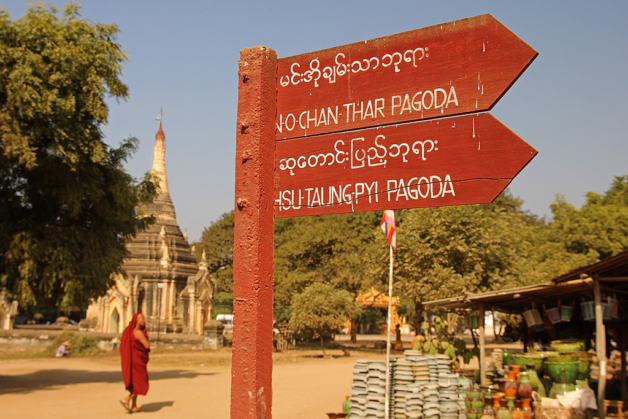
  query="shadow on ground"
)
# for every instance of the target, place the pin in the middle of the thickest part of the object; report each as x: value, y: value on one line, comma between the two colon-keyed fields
x: 155, y: 407
x: 53, y: 378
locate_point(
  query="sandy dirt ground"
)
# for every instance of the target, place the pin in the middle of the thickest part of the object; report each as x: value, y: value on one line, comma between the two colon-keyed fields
x: 191, y: 385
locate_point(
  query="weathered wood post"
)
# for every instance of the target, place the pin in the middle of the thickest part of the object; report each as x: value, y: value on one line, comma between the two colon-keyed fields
x: 253, y: 252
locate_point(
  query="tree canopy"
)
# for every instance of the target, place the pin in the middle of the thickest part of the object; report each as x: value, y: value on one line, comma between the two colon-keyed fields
x: 441, y: 251
x: 217, y: 242
x: 68, y: 205
x: 598, y: 229
x: 321, y: 310
x: 445, y: 251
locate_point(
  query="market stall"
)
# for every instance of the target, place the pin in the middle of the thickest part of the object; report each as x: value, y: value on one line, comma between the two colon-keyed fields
x: 596, y: 293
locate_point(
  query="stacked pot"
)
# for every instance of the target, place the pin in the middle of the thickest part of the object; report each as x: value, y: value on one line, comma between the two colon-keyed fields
x: 422, y: 386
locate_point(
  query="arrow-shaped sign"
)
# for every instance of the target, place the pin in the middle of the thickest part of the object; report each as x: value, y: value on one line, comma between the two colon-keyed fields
x: 453, y: 161
x: 455, y: 68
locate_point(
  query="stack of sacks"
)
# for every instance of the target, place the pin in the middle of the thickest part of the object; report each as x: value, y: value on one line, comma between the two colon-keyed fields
x: 414, y: 401
x: 403, y: 375
x: 449, y: 392
x: 422, y: 387
x: 431, y: 399
x: 376, y: 389
x: 421, y: 370
x: 358, y: 389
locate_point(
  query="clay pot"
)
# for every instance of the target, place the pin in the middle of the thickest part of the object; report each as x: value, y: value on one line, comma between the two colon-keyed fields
x: 511, y: 386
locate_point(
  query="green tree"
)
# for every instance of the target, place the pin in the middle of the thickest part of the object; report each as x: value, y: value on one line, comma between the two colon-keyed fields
x: 217, y: 242
x: 537, y: 259
x: 334, y: 249
x: 331, y: 249
x: 445, y: 251
x: 68, y: 205
x: 598, y: 229
x: 617, y: 193
x: 321, y: 310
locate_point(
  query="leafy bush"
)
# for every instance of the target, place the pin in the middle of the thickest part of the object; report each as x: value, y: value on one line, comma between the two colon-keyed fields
x: 79, y: 345
x: 444, y: 342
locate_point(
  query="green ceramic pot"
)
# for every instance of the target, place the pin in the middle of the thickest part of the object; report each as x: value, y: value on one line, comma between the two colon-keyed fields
x: 545, y: 353
x: 477, y: 404
x: 568, y: 345
x: 584, y: 366
x: 563, y: 358
x: 507, y: 357
x: 526, y: 359
x: 537, y: 385
x: 562, y: 372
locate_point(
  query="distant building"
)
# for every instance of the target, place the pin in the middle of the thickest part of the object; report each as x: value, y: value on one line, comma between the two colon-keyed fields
x: 163, y: 279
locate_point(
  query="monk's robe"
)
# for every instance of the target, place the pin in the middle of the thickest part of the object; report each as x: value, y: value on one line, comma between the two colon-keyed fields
x: 134, y: 358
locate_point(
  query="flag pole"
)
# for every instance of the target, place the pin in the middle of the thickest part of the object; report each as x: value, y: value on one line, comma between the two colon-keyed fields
x: 388, y: 226
x: 390, y: 290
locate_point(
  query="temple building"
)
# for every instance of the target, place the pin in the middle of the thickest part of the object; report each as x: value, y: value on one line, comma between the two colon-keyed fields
x: 163, y: 279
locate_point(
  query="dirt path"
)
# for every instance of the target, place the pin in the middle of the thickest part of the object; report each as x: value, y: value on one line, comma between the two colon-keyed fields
x: 190, y: 385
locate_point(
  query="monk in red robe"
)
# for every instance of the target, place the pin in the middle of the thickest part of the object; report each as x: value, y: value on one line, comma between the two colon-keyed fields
x: 134, y: 349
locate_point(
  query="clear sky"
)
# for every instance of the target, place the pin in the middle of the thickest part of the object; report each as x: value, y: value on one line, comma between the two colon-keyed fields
x: 571, y: 103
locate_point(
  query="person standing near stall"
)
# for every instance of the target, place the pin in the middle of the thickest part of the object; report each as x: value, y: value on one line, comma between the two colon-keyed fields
x: 398, y: 343
x: 134, y: 349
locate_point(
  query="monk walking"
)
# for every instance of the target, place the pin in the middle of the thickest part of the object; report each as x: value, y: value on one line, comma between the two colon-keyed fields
x: 134, y: 349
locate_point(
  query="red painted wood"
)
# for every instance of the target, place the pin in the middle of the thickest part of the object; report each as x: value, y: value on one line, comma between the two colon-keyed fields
x: 455, y: 68
x: 253, y: 252
x: 463, y: 160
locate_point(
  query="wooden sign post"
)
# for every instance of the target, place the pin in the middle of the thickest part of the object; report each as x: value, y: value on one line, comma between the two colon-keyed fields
x: 315, y: 135
x: 253, y: 250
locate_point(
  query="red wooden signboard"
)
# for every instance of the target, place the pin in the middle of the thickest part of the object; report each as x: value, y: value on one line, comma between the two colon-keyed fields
x: 453, y: 161
x: 336, y: 150
x: 455, y: 68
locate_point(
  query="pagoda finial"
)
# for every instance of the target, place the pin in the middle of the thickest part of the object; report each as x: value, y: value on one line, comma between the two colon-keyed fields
x: 160, y: 132
x: 159, y: 157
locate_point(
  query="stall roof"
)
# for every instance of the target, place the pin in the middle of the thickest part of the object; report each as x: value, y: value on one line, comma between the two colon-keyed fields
x: 516, y: 300
x: 611, y: 272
